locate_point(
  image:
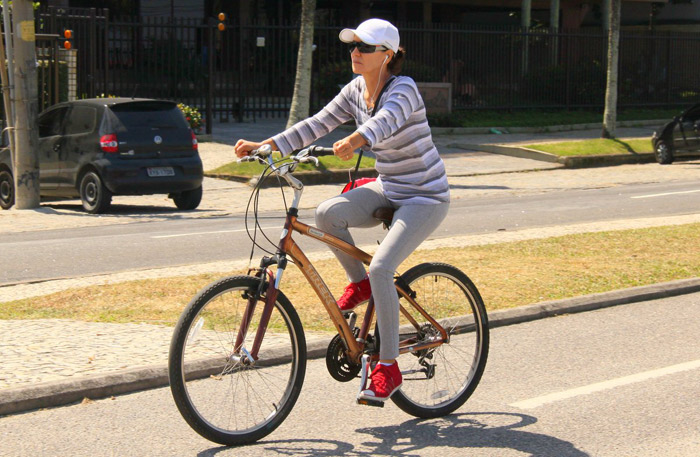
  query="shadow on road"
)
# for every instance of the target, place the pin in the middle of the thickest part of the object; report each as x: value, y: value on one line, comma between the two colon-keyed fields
x: 465, y: 431
x: 134, y: 211
x: 462, y: 431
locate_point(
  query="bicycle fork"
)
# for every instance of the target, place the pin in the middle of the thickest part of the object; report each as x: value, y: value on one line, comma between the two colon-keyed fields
x: 273, y: 281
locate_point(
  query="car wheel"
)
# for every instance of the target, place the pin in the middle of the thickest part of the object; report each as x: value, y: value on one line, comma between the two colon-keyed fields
x: 188, y: 199
x: 7, y: 190
x: 663, y: 153
x: 95, y: 196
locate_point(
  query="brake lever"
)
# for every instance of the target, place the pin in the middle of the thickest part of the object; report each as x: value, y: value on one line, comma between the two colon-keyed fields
x: 264, y: 150
x: 305, y: 156
x: 308, y: 159
x: 257, y: 154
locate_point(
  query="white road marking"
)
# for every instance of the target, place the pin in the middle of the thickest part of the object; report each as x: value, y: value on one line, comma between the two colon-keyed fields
x: 210, y: 233
x: 667, y: 193
x: 605, y: 385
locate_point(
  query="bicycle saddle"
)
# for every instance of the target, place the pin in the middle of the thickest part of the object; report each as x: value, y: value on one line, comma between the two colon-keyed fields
x: 384, y: 214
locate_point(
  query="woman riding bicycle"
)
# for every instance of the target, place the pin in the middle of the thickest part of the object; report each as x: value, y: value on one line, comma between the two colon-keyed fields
x: 412, y: 178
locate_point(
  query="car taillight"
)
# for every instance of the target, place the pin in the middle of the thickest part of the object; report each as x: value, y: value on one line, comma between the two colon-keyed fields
x: 194, y: 140
x: 108, y: 143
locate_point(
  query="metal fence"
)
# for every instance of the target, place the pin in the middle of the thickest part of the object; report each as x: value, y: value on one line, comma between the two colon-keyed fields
x: 52, y: 78
x: 248, y: 71
x: 89, y: 42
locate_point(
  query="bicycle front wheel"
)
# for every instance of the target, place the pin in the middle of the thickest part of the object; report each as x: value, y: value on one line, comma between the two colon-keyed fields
x: 221, y: 395
x: 439, y: 380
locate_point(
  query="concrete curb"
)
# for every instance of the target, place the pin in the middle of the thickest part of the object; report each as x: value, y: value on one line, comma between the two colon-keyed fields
x: 57, y: 393
x: 568, y: 162
x: 204, y: 137
x: 591, y: 302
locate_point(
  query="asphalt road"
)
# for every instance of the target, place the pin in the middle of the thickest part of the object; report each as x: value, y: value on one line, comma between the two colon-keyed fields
x: 85, y: 251
x: 622, y: 381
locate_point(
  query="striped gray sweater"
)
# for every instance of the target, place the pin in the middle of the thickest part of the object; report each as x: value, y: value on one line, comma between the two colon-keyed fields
x: 409, y: 166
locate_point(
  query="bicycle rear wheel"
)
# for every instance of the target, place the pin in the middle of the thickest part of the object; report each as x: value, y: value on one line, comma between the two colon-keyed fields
x: 439, y: 380
x: 220, y: 395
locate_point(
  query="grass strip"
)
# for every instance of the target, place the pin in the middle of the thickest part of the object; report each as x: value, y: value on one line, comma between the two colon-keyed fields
x: 251, y: 169
x: 597, y: 146
x: 507, y: 275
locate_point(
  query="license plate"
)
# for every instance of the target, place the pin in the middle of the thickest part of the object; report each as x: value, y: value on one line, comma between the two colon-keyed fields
x: 160, y: 171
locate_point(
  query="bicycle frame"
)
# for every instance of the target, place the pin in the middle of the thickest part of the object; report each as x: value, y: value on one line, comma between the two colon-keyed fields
x: 287, y: 246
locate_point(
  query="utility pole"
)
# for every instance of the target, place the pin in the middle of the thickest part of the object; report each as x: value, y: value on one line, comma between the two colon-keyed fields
x: 554, y: 6
x: 26, y: 166
x: 525, y: 23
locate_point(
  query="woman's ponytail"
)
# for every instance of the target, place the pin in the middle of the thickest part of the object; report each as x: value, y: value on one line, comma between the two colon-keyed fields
x: 396, y: 62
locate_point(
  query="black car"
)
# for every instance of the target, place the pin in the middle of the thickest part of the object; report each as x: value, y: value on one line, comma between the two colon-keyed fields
x: 678, y: 137
x: 96, y: 148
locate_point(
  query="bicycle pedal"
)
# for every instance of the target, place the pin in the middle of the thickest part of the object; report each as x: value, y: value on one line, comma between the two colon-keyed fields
x: 376, y: 403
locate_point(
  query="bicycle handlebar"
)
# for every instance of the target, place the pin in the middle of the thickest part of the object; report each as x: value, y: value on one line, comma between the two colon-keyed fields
x: 309, y: 154
x: 287, y: 165
x: 265, y: 151
x: 319, y: 151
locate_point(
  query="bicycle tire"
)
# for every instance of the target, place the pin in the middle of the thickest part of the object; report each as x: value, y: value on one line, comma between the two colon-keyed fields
x: 228, y: 401
x: 449, y: 296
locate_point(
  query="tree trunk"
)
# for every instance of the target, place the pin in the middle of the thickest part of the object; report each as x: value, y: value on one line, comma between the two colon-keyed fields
x: 610, y: 115
x: 26, y: 166
x: 302, y: 83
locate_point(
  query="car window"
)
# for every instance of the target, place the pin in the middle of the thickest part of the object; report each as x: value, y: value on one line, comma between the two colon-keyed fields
x: 51, y: 121
x: 131, y: 116
x: 81, y: 120
x: 692, y: 114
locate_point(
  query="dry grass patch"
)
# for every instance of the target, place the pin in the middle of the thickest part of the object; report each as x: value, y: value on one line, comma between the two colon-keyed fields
x: 507, y: 275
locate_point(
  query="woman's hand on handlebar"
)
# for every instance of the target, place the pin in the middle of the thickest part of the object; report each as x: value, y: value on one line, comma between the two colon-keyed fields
x: 345, y: 148
x: 243, y: 147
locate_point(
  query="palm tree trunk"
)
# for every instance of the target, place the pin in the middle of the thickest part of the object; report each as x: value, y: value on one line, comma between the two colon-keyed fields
x: 302, y: 83
x: 610, y: 114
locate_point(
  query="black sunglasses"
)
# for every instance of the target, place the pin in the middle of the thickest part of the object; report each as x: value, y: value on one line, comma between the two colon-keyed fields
x: 365, y: 48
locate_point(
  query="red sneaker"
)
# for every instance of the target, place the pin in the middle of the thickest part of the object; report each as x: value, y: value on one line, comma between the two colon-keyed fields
x: 355, y: 293
x: 385, y: 380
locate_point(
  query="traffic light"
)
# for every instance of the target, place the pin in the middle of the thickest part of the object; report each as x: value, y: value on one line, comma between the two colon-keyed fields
x: 222, y: 22
x: 68, y: 35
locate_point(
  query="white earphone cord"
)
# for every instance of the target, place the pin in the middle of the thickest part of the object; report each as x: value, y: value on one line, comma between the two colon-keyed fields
x: 378, y: 82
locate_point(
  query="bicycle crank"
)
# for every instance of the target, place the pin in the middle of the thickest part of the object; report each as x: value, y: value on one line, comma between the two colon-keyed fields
x: 337, y: 363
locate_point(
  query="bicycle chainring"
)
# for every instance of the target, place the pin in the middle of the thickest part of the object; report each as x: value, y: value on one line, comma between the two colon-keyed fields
x: 339, y: 367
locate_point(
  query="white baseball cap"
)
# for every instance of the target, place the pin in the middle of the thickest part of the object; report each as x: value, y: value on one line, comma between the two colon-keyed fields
x: 374, y: 31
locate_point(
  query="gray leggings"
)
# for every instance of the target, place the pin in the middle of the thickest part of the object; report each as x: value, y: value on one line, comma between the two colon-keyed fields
x: 411, y: 226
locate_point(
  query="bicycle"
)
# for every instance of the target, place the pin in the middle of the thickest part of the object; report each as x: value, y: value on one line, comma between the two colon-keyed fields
x: 238, y: 353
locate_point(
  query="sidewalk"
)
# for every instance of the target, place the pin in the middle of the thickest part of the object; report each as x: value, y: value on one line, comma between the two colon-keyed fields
x: 52, y: 362
x: 230, y: 132
x: 492, y: 140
